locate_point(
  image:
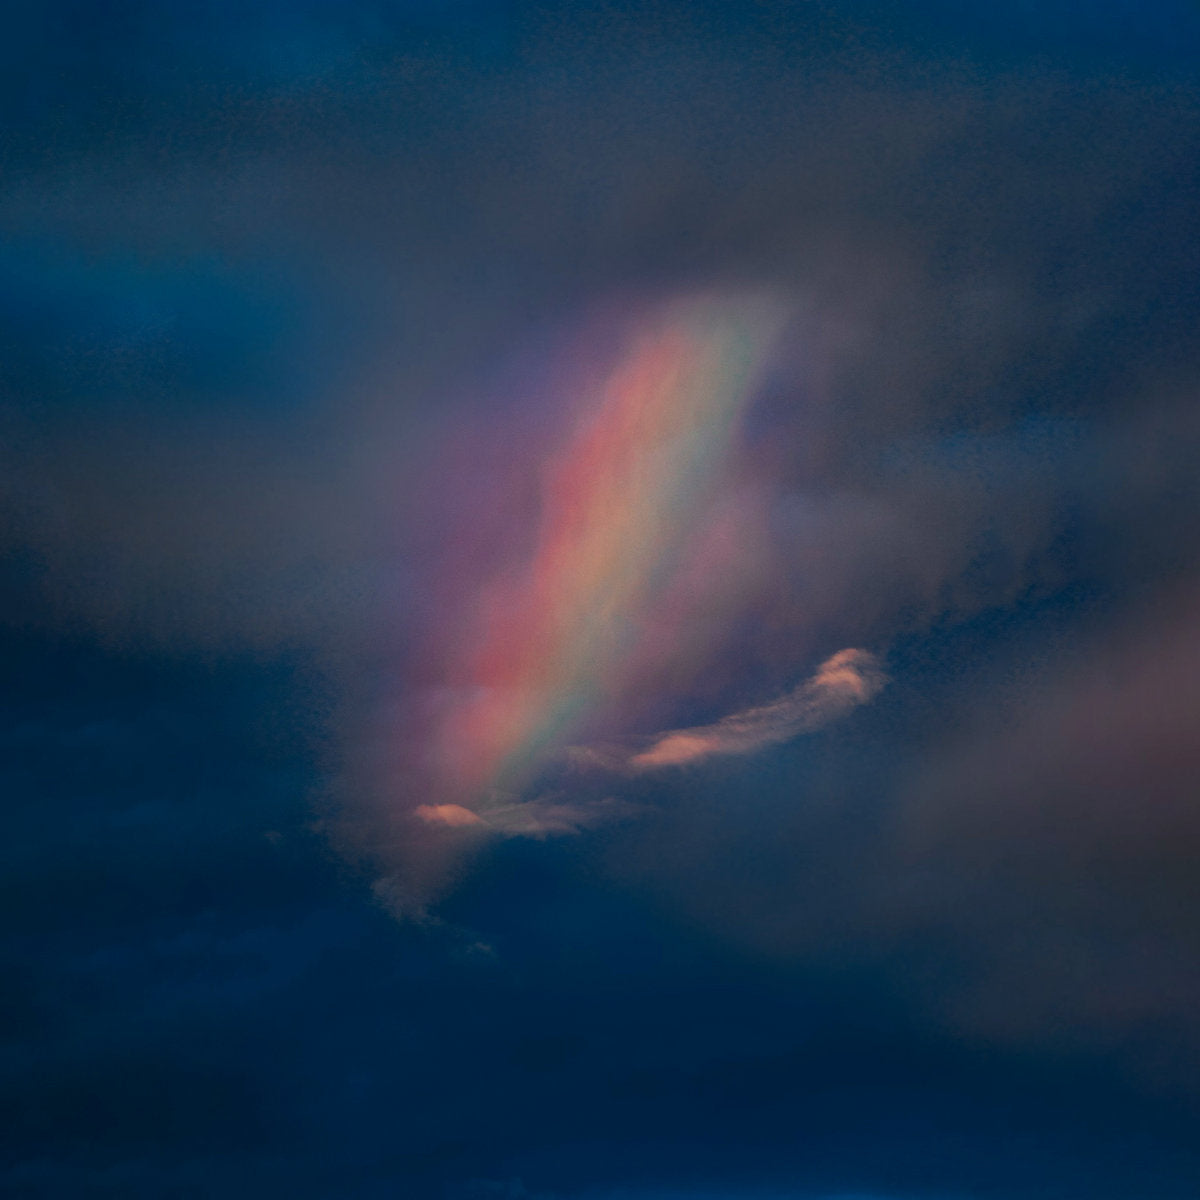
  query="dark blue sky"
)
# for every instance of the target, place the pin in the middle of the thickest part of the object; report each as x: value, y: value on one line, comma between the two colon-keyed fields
x: 298, y: 305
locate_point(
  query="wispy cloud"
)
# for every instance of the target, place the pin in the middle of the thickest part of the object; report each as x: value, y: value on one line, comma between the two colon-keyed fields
x: 451, y: 816
x: 848, y: 679
x: 544, y: 816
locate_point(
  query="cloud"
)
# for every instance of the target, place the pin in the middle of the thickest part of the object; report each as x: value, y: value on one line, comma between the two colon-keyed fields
x: 452, y: 816
x: 1012, y: 850
x: 543, y: 816
x: 848, y: 679
x: 1072, y: 797
x: 375, y: 418
x: 549, y: 816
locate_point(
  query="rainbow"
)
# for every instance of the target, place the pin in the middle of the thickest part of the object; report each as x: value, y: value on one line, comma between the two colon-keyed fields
x: 552, y: 639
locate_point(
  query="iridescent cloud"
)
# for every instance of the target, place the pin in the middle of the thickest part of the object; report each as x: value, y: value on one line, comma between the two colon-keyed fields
x: 623, y: 504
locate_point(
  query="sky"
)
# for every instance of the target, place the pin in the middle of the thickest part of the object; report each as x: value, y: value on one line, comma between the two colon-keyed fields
x: 600, y: 601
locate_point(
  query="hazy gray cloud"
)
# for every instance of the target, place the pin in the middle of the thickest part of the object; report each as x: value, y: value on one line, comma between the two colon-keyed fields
x: 1066, y: 807
x: 941, y: 436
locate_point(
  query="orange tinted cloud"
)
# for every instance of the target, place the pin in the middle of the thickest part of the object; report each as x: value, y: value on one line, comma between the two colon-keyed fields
x: 848, y: 679
x: 544, y: 816
x: 453, y: 816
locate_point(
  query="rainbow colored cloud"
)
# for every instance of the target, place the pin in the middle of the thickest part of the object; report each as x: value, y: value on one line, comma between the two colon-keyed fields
x: 594, y: 625
x: 624, y: 503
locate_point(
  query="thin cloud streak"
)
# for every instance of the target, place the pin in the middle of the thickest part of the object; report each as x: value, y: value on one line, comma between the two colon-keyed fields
x: 850, y: 678
x: 544, y: 816
x: 843, y: 682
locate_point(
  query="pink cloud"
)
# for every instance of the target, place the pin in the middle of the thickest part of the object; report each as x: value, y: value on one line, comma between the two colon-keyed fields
x: 543, y: 816
x: 453, y: 816
x: 850, y: 678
